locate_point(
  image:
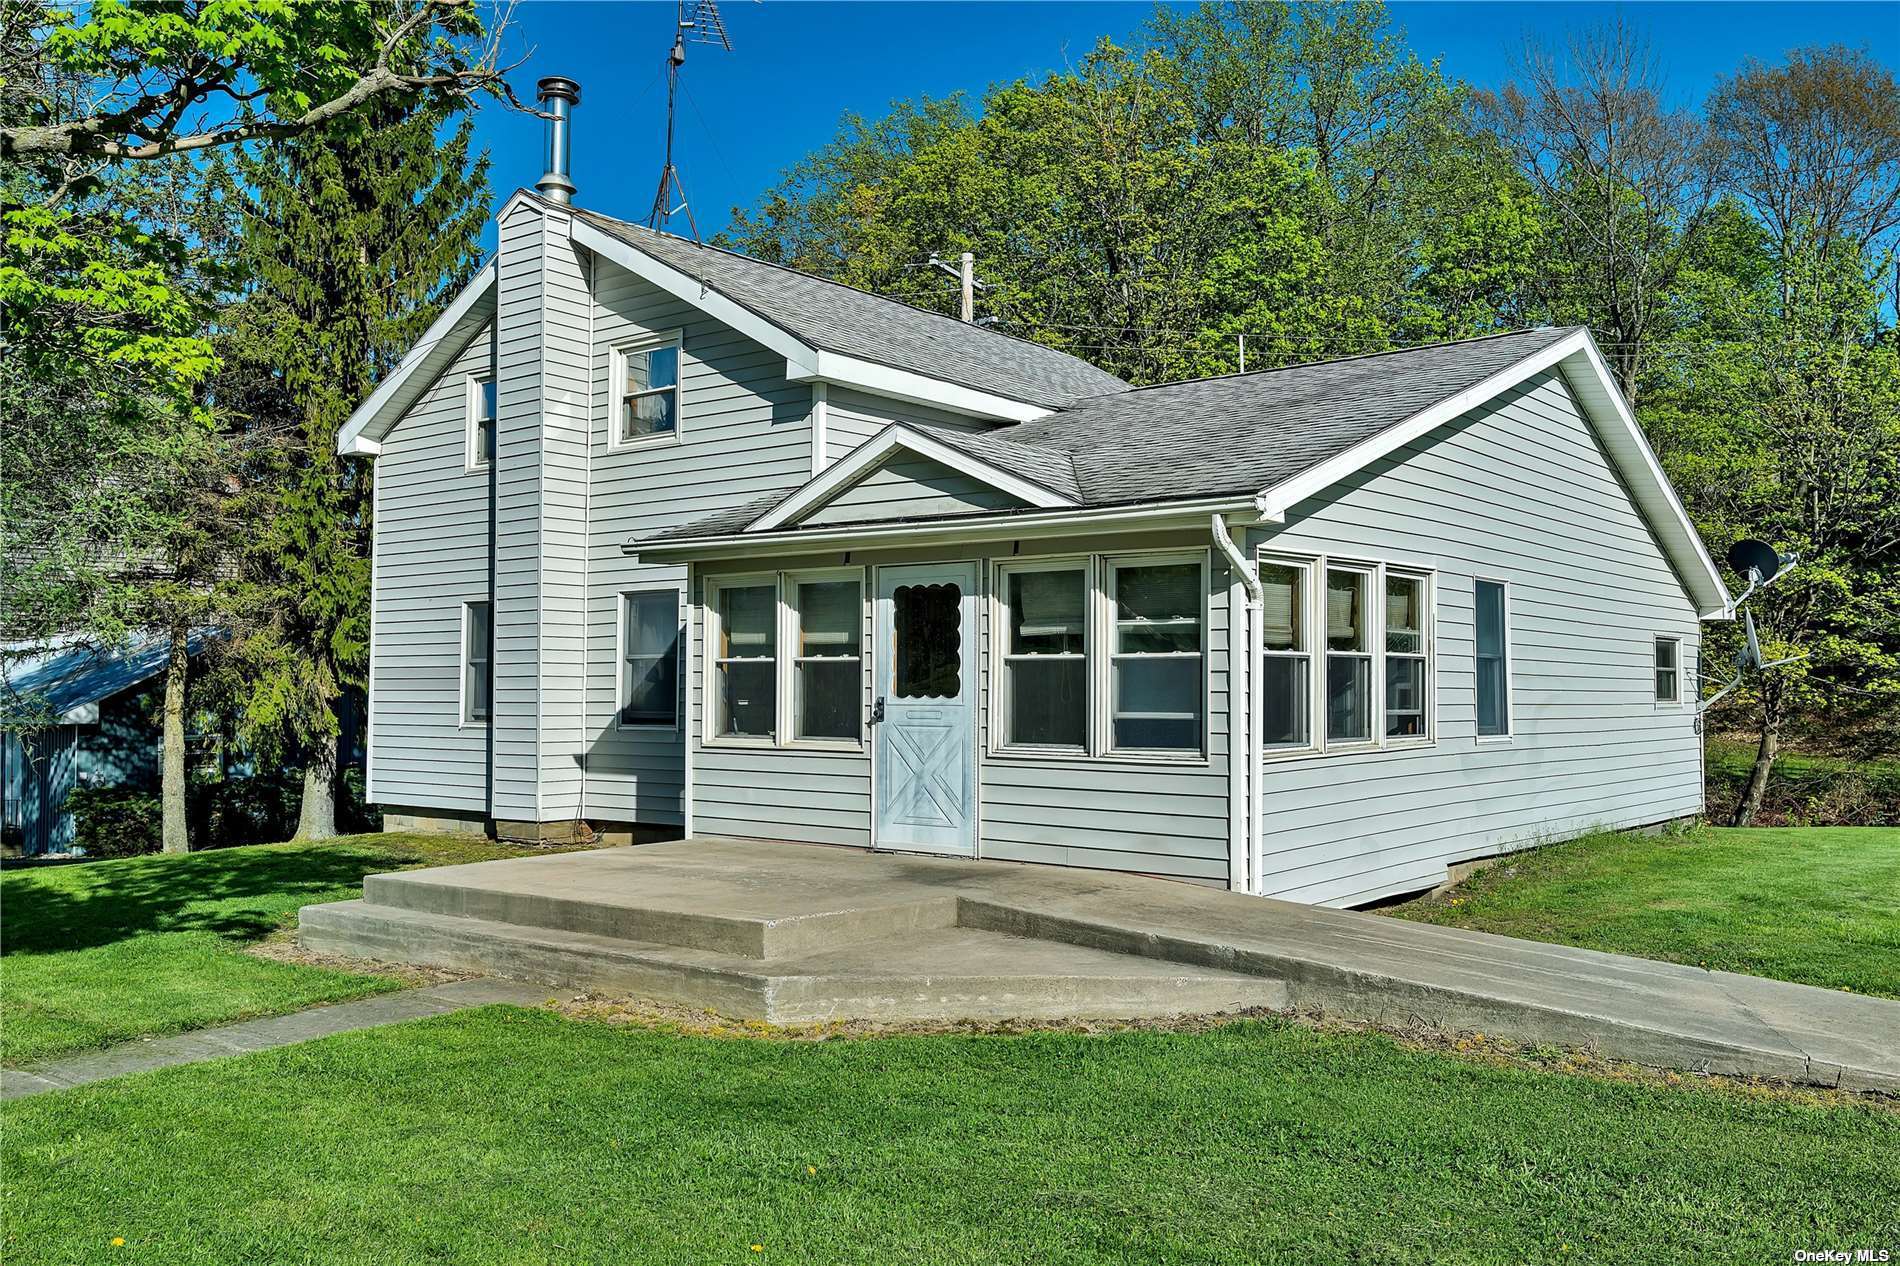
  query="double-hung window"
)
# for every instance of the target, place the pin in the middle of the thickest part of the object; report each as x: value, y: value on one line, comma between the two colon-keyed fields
x: 1668, y: 670
x: 827, y: 661
x: 1493, y: 659
x: 646, y: 387
x: 1345, y: 655
x: 481, y: 421
x: 1102, y: 655
x: 745, y: 660
x: 478, y: 654
x: 1045, y: 656
x: 649, y: 642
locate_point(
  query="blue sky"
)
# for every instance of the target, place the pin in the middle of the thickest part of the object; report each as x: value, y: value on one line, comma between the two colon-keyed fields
x: 798, y: 66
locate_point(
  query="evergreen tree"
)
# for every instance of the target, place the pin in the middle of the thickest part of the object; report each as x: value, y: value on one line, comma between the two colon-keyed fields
x: 353, y: 241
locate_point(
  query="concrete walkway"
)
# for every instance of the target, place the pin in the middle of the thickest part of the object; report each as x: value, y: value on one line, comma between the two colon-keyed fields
x: 793, y: 933
x: 262, y: 1035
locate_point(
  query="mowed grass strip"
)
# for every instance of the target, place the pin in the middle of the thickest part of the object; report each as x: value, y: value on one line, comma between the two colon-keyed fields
x: 102, y: 952
x: 1815, y: 905
x: 505, y: 1135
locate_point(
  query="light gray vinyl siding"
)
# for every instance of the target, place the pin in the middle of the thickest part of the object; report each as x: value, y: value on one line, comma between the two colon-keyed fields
x: 1518, y: 491
x: 1113, y: 813
x: 432, y: 555
x: 906, y: 486
x: 852, y: 417
x: 744, y: 431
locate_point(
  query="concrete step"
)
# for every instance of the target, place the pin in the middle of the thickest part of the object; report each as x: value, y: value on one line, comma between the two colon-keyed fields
x: 632, y: 913
x: 929, y: 974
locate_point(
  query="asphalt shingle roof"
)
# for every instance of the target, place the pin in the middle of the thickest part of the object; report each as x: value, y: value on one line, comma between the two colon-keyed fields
x: 1213, y: 437
x: 838, y: 318
x: 75, y: 673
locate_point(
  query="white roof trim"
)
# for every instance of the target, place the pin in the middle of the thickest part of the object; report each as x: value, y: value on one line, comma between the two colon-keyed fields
x: 1583, y: 367
x: 361, y: 435
x: 804, y: 362
x: 871, y: 454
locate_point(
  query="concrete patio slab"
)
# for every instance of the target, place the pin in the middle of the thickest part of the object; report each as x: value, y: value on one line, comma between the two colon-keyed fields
x: 788, y: 932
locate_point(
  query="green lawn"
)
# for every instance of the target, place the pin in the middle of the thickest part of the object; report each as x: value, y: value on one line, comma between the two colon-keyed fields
x: 1816, y: 905
x: 505, y: 1135
x: 105, y: 951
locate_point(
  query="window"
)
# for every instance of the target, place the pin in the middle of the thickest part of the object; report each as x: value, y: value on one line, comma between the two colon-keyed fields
x: 649, y: 640
x: 1155, y: 660
x: 1493, y: 651
x: 827, y: 661
x: 481, y: 422
x: 1668, y: 670
x: 646, y: 392
x: 1045, y: 657
x: 745, y: 660
x: 1407, y: 683
x: 927, y: 625
x: 1348, y: 656
x: 1286, y: 666
x: 478, y: 642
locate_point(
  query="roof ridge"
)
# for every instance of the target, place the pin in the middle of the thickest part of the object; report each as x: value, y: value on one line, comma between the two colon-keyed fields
x: 844, y: 285
x: 1341, y: 360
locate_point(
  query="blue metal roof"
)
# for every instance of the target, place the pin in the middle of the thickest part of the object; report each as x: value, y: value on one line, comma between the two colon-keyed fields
x: 79, y: 673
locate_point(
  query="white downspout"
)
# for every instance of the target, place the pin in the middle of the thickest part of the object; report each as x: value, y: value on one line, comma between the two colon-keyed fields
x: 1243, y: 779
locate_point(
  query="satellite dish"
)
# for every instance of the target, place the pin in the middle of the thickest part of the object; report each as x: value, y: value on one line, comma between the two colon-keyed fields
x: 1759, y: 557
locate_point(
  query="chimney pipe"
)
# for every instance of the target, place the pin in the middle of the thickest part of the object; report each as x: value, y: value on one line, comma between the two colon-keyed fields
x: 560, y: 95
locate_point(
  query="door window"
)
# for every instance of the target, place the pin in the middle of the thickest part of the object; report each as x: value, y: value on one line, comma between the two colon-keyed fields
x: 927, y: 633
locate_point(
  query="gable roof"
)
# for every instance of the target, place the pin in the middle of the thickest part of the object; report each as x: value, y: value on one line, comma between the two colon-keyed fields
x: 66, y: 676
x: 834, y: 317
x: 1276, y: 437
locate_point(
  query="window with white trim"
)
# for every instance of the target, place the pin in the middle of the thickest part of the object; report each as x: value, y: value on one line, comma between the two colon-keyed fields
x: 827, y: 658
x: 481, y: 421
x: 646, y: 392
x: 1101, y: 656
x: 1345, y: 655
x: 478, y: 653
x: 1493, y: 652
x: 1045, y: 686
x: 649, y: 658
x: 1668, y: 665
x: 745, y: 659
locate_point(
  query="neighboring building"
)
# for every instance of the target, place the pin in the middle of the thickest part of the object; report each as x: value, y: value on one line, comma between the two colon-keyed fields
x: 96, y: 726
x: 671, y: 540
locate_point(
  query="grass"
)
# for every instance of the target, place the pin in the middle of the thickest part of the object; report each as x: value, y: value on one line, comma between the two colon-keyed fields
x: 504, y: 1135
x: 108, y: 951
x: 1806, y: 789
x: 1815, y: 905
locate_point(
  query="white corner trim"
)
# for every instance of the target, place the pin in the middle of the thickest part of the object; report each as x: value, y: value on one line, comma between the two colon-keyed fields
x: 1603, y: 406
x: 870, y: 454
x: 820, y: 423
x: 362, y: 433
x: 914, y: 388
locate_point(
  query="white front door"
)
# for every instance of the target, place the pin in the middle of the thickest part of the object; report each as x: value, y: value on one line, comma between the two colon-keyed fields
x: 923, y: 710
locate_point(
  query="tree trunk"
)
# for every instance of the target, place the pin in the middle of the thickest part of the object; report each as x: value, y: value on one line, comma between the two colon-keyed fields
x: 1758, y: 776
x: 176, y: 832
x: 317, y: 818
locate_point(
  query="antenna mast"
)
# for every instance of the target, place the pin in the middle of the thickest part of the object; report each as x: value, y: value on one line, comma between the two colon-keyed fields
x: 701, y: 24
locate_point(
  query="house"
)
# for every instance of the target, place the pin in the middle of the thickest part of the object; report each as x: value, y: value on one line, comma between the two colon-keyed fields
x: 83, y: 716
x: 669, y: 540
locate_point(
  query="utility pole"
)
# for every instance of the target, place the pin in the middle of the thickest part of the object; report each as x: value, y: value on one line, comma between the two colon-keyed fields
x: 967, y: 274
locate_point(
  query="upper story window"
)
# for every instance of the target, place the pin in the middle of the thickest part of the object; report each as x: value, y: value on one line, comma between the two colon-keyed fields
x: 481, y: 421
x: 646, y: 392
x: 1668, y: 670
x: 1493, y: 659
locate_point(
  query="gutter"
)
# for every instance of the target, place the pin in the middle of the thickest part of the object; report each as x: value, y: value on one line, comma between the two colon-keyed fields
x: 1243, y: 772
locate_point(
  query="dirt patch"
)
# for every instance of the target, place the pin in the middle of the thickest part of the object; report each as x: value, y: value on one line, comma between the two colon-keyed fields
x: 283, y: 948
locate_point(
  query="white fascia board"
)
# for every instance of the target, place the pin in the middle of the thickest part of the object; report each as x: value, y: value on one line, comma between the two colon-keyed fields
x: 362, y: 434
x: 870, y: 454
x: 1577, y: 358
x: 1017, y: 525
x: 914, y: 388
x: 691, y: 290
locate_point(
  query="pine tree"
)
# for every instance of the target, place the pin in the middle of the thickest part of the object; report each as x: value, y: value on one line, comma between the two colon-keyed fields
x: 353, y: 241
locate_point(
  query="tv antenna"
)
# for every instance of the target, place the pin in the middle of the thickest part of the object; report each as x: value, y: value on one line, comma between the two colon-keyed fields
x: 698, y: 23
x: 1760, y: 565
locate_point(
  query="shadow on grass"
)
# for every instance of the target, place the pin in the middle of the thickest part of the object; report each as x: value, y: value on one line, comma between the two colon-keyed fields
x: 239, y: 894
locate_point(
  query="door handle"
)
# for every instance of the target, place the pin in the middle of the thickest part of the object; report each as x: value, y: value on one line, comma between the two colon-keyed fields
x: 877, y: 710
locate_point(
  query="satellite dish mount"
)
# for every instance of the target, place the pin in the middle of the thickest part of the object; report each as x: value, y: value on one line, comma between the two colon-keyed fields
x: 1761, y: 565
